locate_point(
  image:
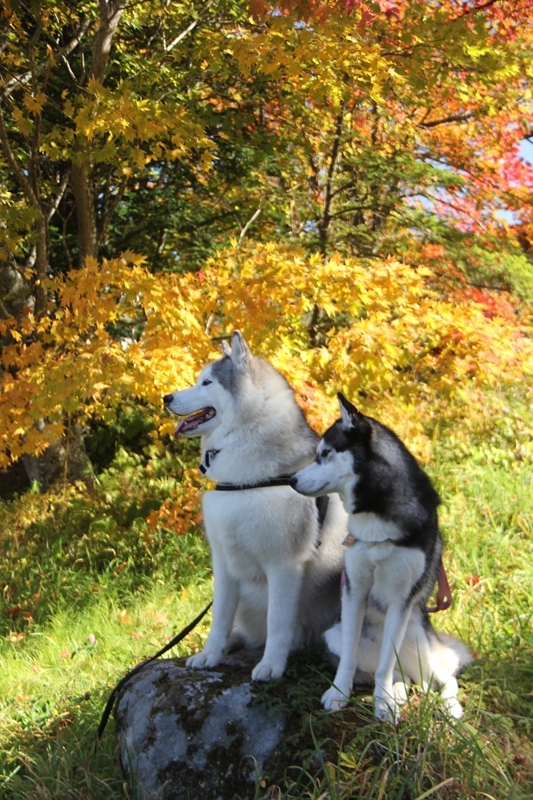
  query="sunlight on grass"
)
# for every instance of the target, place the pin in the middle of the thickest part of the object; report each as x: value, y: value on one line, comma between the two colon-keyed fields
x: 55, y: 685
x: 86, y: 600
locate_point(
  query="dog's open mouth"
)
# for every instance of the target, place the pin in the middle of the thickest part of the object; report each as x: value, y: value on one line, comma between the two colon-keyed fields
x: 190, y: 423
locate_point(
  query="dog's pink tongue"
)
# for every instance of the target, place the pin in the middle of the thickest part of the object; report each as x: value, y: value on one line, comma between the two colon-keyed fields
x: 189, y: 423
x: 179, y: 427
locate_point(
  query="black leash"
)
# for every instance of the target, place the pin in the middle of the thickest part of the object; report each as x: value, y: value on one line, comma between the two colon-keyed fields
x: 111, y: 701
x: 282, y: 480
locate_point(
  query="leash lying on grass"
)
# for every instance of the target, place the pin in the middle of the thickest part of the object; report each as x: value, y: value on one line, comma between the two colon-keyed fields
x: 112, y: 697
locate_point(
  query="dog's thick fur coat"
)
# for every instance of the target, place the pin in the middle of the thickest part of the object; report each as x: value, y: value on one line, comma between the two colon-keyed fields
x: 276, y: 571
x: 392, y: 559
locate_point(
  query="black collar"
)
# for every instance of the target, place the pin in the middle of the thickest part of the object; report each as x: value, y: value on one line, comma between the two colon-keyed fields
x: 208, y: 457
x: 282, y: 480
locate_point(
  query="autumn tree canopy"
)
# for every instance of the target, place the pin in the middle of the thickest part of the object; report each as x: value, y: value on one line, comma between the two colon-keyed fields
x: 139, y: 140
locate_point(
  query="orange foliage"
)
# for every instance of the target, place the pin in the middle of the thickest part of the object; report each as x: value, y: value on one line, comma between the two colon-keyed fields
x: 375, y: 330
x: 178, y: 513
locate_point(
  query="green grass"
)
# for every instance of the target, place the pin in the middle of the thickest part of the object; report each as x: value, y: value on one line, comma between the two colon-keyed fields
x: 55, y: 683
x: 90, y: 590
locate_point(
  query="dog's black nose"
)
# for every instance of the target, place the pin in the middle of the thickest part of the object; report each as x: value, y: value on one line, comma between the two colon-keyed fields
x: 293, y: 480
x: 167, y: 399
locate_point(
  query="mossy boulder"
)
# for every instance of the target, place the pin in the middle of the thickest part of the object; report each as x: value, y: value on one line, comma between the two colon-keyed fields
x: 215, y: 734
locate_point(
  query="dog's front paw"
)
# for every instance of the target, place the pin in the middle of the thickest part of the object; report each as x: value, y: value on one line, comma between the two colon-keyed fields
x: 387, y: 709
x: 334, y: 699
x: 204, y: 660
x: 267, y: 671
x: 400, y: 692
x: 452, y: 707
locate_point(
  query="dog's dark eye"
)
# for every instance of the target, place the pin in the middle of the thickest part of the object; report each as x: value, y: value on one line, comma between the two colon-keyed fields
x: 322, y: 455
x: 206, y: 382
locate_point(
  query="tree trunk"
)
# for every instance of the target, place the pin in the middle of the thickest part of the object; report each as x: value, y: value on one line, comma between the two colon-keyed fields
x: 80, y: 180
x: 64, y: 461
x: 41, y: 265
x: 110, y: 13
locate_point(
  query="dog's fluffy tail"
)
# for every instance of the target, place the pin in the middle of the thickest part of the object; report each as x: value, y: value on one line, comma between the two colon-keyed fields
x: 452, y: 651
x: 332, y: 638
x: 448, y: 654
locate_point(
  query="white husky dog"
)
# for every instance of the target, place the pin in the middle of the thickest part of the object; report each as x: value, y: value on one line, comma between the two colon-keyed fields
x: 393, y: 553
x: 276, y: 569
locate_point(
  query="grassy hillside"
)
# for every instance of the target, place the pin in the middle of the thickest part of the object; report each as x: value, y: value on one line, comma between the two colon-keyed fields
x: 93, y: 583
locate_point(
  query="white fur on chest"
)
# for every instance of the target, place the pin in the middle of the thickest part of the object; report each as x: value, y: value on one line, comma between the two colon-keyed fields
x: 256, y: 528
x: 376, y: 566
x: 369, y: 527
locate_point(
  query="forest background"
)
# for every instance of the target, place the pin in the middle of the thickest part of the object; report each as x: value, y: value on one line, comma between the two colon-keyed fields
x: 345, y: 182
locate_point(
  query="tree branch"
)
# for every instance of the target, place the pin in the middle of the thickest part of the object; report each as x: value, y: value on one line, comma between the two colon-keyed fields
x: 110, y: 13
x: 323, y: 223
x: 15, y: 166
x: 187, y: 30
x: 17, y: 81
x: 55, y: 204
x: 250, y: 222
x: 181, y: 36
x: 4, y: 312
x: 445, y: 120
x: 111, y: 206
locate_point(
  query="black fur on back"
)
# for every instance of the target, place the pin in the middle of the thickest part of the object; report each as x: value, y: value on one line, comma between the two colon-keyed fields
x: 391, y: 483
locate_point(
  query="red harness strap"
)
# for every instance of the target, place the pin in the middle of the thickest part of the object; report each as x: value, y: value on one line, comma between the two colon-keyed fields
x: 444, y: 593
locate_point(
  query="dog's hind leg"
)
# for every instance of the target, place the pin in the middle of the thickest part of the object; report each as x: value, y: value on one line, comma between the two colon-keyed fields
x: 445, y: 680
x: 432, y: 663
x: 400, y: 689
x: 448, y: 695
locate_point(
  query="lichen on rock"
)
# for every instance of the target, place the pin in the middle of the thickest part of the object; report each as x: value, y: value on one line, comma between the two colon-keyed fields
x: 189, y: 734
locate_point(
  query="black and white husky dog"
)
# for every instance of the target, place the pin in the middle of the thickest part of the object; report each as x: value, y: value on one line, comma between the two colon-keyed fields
x: 393, y: 554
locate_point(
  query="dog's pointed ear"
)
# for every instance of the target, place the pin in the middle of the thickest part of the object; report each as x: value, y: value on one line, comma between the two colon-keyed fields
x: 350, y: 416
x: 226, y: 348
x: 240, y: 352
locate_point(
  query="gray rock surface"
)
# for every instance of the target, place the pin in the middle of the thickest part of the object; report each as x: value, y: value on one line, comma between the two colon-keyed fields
x: 201, y: 735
